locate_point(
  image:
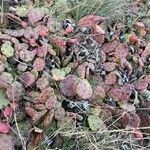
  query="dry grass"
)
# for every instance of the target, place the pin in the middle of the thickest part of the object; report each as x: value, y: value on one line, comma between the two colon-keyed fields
x: 111, y: 9
x: 113, y: 139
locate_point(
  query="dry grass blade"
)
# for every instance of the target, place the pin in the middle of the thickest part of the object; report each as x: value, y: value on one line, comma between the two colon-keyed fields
x: 110, y: 9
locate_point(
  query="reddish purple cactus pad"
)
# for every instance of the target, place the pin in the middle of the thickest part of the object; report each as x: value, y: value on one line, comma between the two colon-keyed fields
x: 128, y: 119
x: 145, y: 120
x: 121, y: 51
x: 46, y: 94
x: 38, y: 116
x: 127, y: 88
x: 109, y: 47
x: 59, y: 113
x: 90, y: 21
x: 140, y: 85
x: 27, y: 79
x: 51, y: 102
x: 109, y: 66
x: 42, y: 51
x: 4, y: 128
x: 41, y: 30
x: 58, y: 43
x: 98, y: 92
x: 26, y: 55
x: 30, y: 111
x: 84, y: 89
x: 42, y: 83
x: 68, y: 85
x: 111, y: 79
x: 35, y: 15
x: 39, y: 64
x: 7, y: 112
x: 115, y: 93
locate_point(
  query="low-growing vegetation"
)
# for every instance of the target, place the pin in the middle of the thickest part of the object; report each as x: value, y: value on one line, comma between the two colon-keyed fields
x: 75, y: 74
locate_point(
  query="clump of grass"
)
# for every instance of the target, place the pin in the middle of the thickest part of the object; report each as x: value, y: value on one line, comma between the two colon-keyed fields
x: 111, y: 9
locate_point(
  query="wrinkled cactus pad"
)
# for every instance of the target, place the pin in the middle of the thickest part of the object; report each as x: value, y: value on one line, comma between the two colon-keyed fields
x: 95, y: 122
x: 84, y: 89
x: 7, y: 49
x: 6, y: 79
x: 68, y: 85
x: 35, y: 15
x: 15, y: 91
x: 21, y: 11
x: 26, y: 55
x: 27, y: 79
x: 59, y: 74
x: 39, y: 64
